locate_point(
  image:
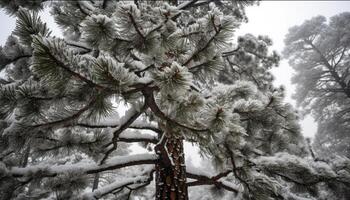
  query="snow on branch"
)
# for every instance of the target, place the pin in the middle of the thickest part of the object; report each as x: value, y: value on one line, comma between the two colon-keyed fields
x: 51, y: 54
x: 150, y: 101
x: 186, y: 4
x: 68, y: 119
x: 135, y: 125
x: 299, y: 171
x: 79, y: 45
x: 13, y: 60
x: 45, y: 50
x: 114, y: 186
x: 204, y: 178
x: 116, y: 162
x: 131, y: 115
x: 137, y: 137
x: 134, y: 183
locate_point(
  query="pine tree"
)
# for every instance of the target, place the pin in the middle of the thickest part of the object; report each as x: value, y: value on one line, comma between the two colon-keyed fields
x: 319, y: 52
x: 173, y: 65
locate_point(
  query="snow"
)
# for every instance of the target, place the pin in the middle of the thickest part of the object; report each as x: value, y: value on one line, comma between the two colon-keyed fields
x: 82, y: 167
x: 145, y: 80
x: 288, y: 161
x: 201, y: 172
x: 185, y: 3
x: 282, y: 159
x: 142, y: 175
x: 197, y: 171
x: 169, y: 156
x: 137, y: 134
x: 230, y: 184
x: 323, y: 169
x: 110, y: 120
x: 131, y: 158
x: 140, y: 124
x: 113, y: 186
x: 138, y: 64
x: 87, y: 5
x: 129, y: 113
x: 114, y: 120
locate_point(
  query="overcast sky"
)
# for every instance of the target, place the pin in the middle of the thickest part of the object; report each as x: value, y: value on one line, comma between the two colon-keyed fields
x: 272, y: 18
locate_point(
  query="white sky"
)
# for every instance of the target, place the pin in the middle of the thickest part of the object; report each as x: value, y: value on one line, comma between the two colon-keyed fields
x: 272, y: 18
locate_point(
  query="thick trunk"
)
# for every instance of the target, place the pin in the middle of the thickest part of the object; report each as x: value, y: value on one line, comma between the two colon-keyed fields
x: 171, y: 170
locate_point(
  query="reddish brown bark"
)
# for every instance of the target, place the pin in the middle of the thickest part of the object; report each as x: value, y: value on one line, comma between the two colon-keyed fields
x: 171, y: 170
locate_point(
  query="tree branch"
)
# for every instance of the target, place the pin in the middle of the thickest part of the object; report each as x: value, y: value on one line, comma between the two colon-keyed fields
x: 330, y: 68
x: 230, y: 53
x: 202, y: 49
x: 118, y: 185
x: 234, y: 170
x: 124, y: 125
x: 8, y: 61
x: 149, y: 98
x: 116, y: 162
x: 132, y: 126
x: 69, y: 119
x: 211, y: 180
x: 135, y: 26
x: 138, y: 73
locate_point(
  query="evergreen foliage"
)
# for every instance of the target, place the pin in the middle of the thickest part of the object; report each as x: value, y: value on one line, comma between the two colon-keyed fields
x: 173, y: 65
x: 319, y: 52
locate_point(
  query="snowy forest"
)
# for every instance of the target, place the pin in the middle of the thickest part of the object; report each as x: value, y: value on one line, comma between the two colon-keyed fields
x: 183, y: 77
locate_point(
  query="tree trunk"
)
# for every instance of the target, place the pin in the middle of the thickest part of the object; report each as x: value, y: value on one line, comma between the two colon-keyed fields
x: 171, y: 170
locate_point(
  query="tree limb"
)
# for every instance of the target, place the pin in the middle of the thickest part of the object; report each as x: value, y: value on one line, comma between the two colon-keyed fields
x: 116, y: 162
x: 202, y: 179
x: 132, y: 126
x: 120, y: 129
x: 149, y: 98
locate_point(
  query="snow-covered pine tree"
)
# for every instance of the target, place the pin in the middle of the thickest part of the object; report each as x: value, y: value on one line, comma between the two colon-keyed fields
x: 319, y: 51
x: 173, y: 65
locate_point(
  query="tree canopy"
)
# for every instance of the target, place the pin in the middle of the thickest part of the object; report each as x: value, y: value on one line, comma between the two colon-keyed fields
x: 319, y: 52
x: 176, y: 68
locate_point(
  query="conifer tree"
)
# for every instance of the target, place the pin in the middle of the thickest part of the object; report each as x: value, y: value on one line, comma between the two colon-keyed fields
x: 319, y: 52
x: 172, y: 64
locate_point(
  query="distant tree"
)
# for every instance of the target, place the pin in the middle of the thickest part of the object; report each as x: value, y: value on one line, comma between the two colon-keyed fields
x: 175, y: 69
x: 320, y: 54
